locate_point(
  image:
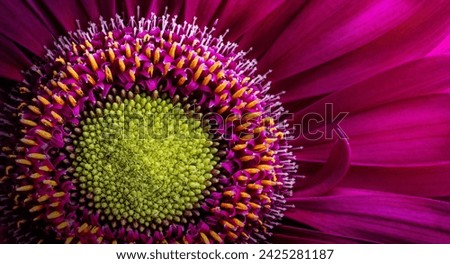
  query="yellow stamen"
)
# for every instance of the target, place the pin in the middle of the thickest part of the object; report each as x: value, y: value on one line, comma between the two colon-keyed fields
x: 54, y: 204
x: 229, y: 193
x: 24, y: 162
x: 132, y: 76
x: 207, y: 79
x: 72, y: 100
x: 150, y: 70
x: 28, y: 142
x: 111, y: 54
x: 94, y: 229
x: 62, y: 225
x: 238, y: 222
x: 181, y: 81
x: 35, y: 110
x: 156, y: 56
x: 63, y: 87
x: 28, y: 122
x: 239, y: 147
x: 254, y: 205
x: 254, y: 186
x: 172, y: 50
x: 194, y: 62
x: 25, y: 188
x: 36, y: 208
x: 68, y: 240
x: 50, y: 182
x: 137, y: 46
x: 245, y: 195
x: 58, y: 99
x: 251, y: 116
x: 247, y: 158
x: 204, y: 238
x: 127, y: 50
x: 58, y: 194
x: 57, y: 117
x: 46, y: 122
x: 221, y: 86
x: 38, y: 156
x: 88, y: 44
x: 223, y: 109
x: 180, y: 63
x: 91, y: 80
x: 252, y: 103
x: 148, y: 52
x: 137, y: 61
x: 45, y: 168
x: 82, y: 227
x: 252, y: 217
x: 36, y: 175
x: 198, y: 73
x: 224, y: 96
x: 232, y: 235
x: 121, y: 65
x: 220, y: 75
x: 215, y: 236
x: 239, y: 93
x: 54, y: 214
x: 43, y: 100
x: 146, y: 38
x: 259, y: 129
x: 166, y: 68
x: 226, y: 205
x: 214, y: 66
x: 241, y: 206
x: 228, y: 224
x: 43, y: 198
x: 60, y: 60
x: 108, y: 73
x: 247, y: 137
x: 242, y: 178
x: 73, y: 73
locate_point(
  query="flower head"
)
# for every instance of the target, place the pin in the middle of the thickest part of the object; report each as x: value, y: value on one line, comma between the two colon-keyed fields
x: 146, y: 127
x: 114, y: 143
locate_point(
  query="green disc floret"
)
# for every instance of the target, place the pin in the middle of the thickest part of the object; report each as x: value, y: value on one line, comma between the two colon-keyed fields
x: 143, y: 159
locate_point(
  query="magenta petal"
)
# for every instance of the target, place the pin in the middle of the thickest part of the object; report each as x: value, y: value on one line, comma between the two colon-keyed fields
x: 12, y: 60
x: 340, y: 51
x: 430, y: 181
x: 329, y: 176
x: 414, y: 79
x: 375, y: 216
x: 239, y: 16
x: 423, y: 125
x: 286, y: 234
x: 203, y: 10
x: 23, y: 27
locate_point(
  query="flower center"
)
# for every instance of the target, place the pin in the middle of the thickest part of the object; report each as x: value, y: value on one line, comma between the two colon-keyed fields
x: 143, y: 160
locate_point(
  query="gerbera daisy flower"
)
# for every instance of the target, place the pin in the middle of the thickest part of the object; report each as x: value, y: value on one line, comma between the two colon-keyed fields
x: 152, y: 122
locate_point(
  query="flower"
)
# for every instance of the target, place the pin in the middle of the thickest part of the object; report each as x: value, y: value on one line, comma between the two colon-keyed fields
x: 384, y: 63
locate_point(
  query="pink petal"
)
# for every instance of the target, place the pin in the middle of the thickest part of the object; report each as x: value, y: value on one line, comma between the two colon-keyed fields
x: 429, y: 181
x: 375, y: 216
x: 329, y: 176
x: 419, y: 78
x: 12, y: 60
x: 204, y: 10
x: 334, y: 44
x: 23, y: 27
x: 239, y: 16
x: 286, y: 234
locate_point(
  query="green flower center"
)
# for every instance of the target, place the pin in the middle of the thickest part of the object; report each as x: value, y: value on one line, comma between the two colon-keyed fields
x: 143, y: 160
